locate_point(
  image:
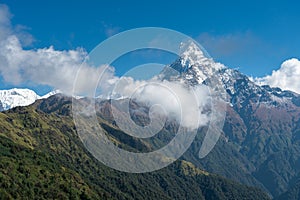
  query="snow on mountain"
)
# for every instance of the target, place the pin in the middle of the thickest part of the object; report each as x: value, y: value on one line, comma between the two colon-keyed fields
x: 194, y: 60
x: 50, y: 94
x: 194, y: 66
x: 19, y: 97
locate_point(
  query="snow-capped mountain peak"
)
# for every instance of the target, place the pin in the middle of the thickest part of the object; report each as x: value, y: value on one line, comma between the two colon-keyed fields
x: 193, y: 65
x: 19, y: 97
x: 194, y: 55
x: 191, y: 54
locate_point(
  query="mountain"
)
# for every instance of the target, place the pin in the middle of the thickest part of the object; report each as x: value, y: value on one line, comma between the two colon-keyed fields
x: 260, y: 141
x: 19, y: 97
x: 259, y: 144
x: 193, y: 66
x: 42, y: 157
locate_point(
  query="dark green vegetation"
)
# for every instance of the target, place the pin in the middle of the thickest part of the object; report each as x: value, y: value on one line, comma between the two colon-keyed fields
x: 41, y: 157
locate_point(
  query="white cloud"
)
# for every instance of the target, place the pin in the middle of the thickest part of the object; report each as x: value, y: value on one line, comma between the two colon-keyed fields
x: 176, y: 100
x: 286, y: 77
x: 45, y: 66
x: 6, y: 28
x: 5, y: 25
x: 185, y: 104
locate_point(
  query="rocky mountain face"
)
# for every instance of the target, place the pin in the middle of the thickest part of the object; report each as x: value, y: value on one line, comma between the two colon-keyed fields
x: 260, y: 142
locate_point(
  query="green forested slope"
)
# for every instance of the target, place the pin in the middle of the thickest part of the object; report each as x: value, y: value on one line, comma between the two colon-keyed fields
x: 41, y: 157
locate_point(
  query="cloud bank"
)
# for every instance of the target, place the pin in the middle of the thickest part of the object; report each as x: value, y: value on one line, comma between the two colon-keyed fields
x: 45, y: 66
x: 287, y: 77
x: 184, y: 104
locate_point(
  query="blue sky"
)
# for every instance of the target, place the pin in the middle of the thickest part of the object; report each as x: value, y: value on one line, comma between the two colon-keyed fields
x: 254, y: 36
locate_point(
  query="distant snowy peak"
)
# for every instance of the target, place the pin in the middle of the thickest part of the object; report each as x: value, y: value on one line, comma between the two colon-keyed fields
x: 50, y: 94
x: 19, y: 97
